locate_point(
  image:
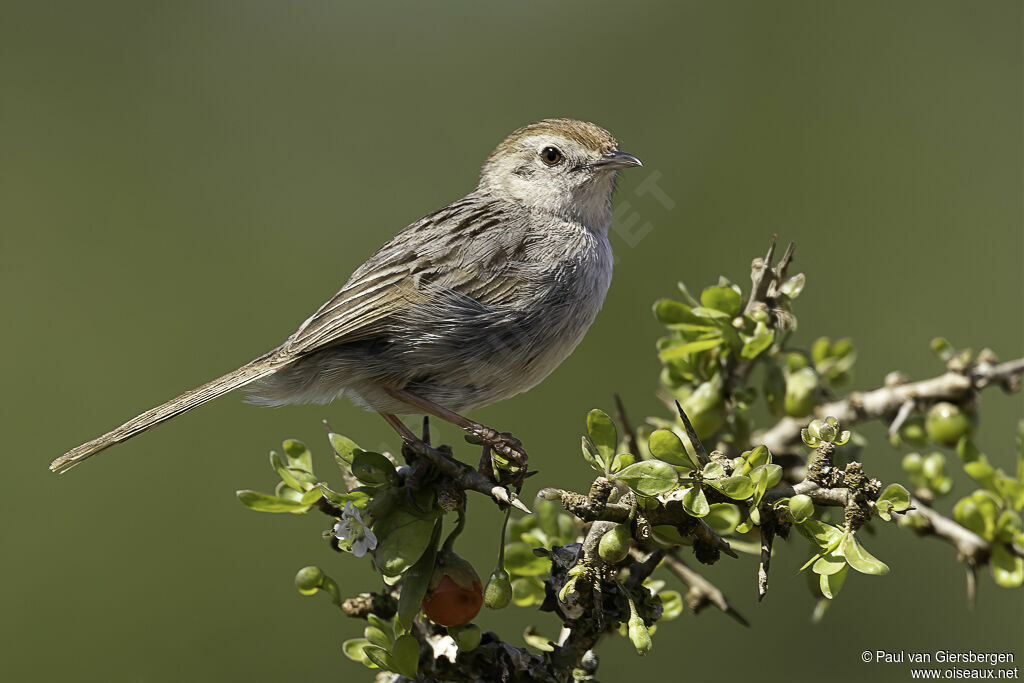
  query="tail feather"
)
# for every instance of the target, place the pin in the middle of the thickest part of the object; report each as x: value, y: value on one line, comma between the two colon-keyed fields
x: 250, y: 372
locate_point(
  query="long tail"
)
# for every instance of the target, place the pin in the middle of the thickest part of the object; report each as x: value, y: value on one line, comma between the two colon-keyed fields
x: 261, y: 367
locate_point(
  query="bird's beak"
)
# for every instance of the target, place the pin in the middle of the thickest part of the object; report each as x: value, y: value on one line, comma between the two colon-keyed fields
x: 616, y: 160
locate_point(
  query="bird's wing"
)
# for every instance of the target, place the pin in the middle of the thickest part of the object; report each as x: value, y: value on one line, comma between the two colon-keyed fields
x: 452, y: 253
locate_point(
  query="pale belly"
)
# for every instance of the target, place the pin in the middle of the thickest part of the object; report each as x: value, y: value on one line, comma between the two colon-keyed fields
x: 460, y: 356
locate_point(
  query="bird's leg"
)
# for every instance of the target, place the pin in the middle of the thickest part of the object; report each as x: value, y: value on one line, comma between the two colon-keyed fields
x: 399, y: 427
x: 420, y: 470
x: 503, y: 443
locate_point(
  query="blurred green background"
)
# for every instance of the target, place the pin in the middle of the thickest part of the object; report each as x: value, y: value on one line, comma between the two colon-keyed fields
x: 183, y: 183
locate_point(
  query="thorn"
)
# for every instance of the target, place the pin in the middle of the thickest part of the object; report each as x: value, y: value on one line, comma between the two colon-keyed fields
x: 698, y: 447
x: 737, y: 616
x: 426, y: 429
x: 502, y: 495
x: 901, y: 416
x: 771, y: 251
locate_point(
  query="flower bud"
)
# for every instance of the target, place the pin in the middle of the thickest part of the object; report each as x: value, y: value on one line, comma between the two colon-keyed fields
x: 498, y: 592
x: 614, y: 545
x: 639, y: 635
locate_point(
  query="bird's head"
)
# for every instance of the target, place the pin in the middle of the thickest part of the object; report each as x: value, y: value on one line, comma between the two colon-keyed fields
x: 561, y: 166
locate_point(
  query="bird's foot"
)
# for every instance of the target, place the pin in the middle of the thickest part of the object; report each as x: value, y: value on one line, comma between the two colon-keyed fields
x: 503, y: 454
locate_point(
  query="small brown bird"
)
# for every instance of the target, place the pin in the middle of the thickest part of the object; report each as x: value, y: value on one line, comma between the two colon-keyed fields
x: 471, y: 304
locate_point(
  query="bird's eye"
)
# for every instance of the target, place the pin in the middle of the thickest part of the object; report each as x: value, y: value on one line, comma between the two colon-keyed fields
x: 550, y: 156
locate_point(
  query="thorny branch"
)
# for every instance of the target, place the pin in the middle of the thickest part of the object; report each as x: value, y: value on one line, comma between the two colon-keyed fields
x: 886, y: 402
x: 587, y: 619
x: 464, y: 476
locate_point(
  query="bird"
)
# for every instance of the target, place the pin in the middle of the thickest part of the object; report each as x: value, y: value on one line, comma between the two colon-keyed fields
x: 467, y: 306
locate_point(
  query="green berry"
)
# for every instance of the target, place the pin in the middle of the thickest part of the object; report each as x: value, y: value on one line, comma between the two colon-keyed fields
x: 913, y: 433
x: 801, y: 507
x: 614, y: 545
x: 308, y: 580
x: 946, y: 423
x: 498, y: 592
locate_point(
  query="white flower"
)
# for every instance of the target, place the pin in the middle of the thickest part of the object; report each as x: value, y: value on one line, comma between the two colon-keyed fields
x: 352, y: 529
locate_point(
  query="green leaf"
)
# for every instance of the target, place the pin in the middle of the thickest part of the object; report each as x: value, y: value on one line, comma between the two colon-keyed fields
x: 671, y: 312
x: 686, y: 294
x: 592, y: 457
x: 381, y: 657
x: 710, y: 314
x: 356, y: 497
x: 829, y: 563
x: 677, y: 352
x: 794, y: 285
x: 527, y: 591
x: 298, y: 455
x: 344, y: 449
x: 831, y: 583
x: 665, y: 445
x: 402, y: 544
x: 695, y: 502
x: 384, y: 626
x: 377, y: 637
x: 262, y: 502
x: 755, y: 458
x: 967, y: 450
x: 737, y: 488
x: 1010, y: 490
x: 311, y: 496
x: 724, y: 299
x: 649, y: 477
x: 416, y: 581
x: 373, y: 468
x: 1007, y: 568
x: 671, y: 604
x: 821, y: 534
x: 282, y: 471
x: 621, y: 461
x: 979, y: 513
x: 406, y: 655
x: 723, y: 518
x: 981, y: 472
x: 1008, y: 526
x: 859, y: 558
x: 603, y: 435
x: 520, y: 560
x: 968, y: 515
x: 762, y: 338
x: 353, y: 649
x: 893, y: 498
x: 667, y: 535
x: 537, y: 641
x: 764, y: 477
x: 713, y: 470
